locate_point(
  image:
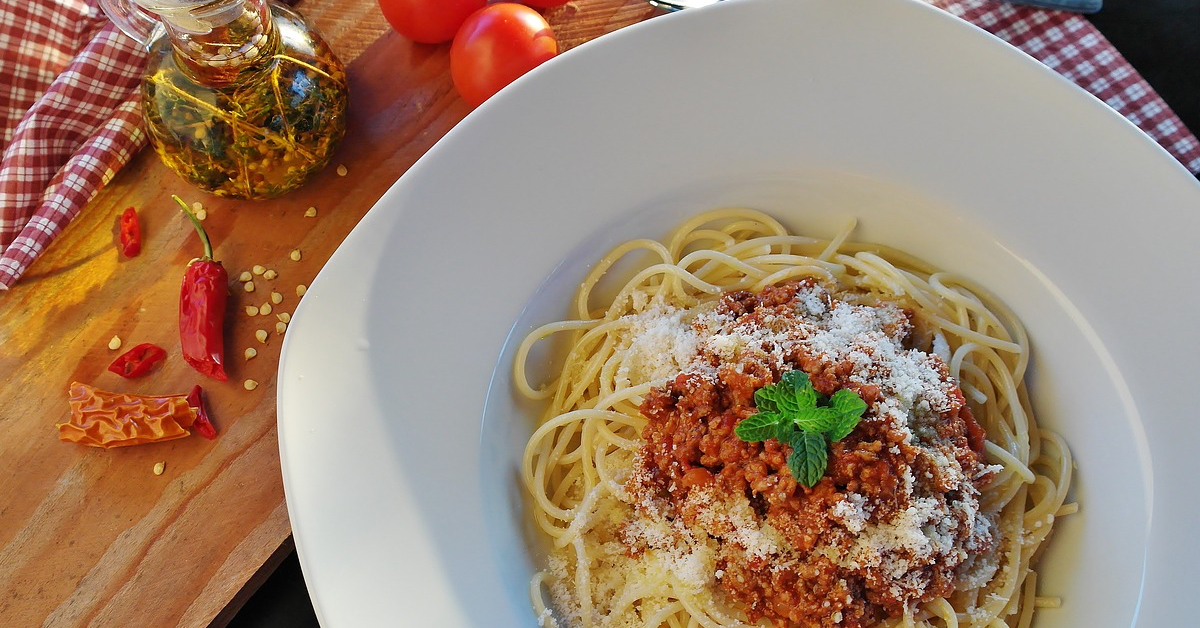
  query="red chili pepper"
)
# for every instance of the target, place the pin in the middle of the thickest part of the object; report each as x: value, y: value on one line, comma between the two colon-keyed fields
x: 203, y: 424
x: 107, y: 419
x: 138, y: 361
x: 202, y: 308
x: 131, y: 233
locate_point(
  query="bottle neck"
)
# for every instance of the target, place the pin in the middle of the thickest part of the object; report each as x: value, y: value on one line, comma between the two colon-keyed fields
x: 223, y: 41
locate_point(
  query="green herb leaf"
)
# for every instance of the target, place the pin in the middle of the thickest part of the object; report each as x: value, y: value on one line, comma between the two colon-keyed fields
x: 842, y: 427
x: 764, y: 399
x: 818, y: 420
x: 793, y: 412
x: 793, y: 393
x: 809, y: 458
x: 850, y: 408
x: 846, y: 401
x: 799, y: 388
x: 762, y: 426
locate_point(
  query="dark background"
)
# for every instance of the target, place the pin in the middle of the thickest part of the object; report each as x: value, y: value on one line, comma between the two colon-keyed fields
x: 1161, y: 38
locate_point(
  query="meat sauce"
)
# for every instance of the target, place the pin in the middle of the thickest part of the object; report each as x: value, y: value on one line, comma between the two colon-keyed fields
x: 827, y: 571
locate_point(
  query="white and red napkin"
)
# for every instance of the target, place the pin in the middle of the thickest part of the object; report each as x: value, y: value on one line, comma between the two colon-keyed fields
x: 1068, y: 44
x: 69, y: 115
x: 69, y: 119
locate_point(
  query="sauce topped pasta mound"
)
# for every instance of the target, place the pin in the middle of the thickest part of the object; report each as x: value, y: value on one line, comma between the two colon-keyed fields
x: 927, y: 508
x: 898, y: 512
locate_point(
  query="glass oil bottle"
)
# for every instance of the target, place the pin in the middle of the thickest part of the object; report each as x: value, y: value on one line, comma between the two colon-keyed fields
x: 242, y: 98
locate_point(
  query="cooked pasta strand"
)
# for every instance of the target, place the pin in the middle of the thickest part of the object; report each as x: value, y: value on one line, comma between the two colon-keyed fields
x: 580, y: 453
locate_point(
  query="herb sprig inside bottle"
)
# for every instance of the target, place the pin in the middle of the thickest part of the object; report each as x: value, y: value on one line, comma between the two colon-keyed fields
x: 242, y: 98
x: 794, y: 413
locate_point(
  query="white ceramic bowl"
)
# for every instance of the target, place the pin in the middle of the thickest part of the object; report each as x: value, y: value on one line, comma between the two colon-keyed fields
x: 399, y: 432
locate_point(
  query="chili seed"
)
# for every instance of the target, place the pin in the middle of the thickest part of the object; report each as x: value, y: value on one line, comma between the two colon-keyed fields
x: 265, y: 309
x: 311, y: 212
x: 248, y: 286
x: 259, y: 269
x: 197, y: 206
x: 251, y: 310
x: 201, y: 214
x: 270, y: 274
x: 250, y: 384
x: 280, y: 327
x: 276, y: 298
x: 159, y: 467
x: 284, y: 317
x: 301, y: 289
x: 114, y: 343
x: 342, y: 170
x: 261, y: 335
x: 295, y: 255
x: 246, y: 276
x: 250, y: 353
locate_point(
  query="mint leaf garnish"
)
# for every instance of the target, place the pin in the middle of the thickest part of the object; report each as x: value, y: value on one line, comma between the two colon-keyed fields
x: 809, y: 458
x: 799, y: 388
x: 761, y: 426
x: 818, y: 420
x: 842, y: 427
x: 764, y: 399
x: 846, y: 401
x: 793, y: 412
x: 850, y: 408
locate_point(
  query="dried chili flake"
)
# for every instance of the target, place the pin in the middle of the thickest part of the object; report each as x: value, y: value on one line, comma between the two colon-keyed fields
x: 204, y: 426
x: 107, y: 419
x: 138, y: 361
x: 131, y: 233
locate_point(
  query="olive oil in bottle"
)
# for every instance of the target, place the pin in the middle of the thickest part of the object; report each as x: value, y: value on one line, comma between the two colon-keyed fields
x: 242, y: 98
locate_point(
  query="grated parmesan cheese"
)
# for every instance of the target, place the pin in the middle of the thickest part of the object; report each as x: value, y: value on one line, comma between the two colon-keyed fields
x: 638, y: 554
x: 852, y: 512
x: 660, y: 344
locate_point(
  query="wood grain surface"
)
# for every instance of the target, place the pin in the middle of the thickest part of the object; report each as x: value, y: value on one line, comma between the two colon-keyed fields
x: 92, y: 537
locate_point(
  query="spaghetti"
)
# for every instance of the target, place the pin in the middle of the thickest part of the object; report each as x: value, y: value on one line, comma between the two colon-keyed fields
x: 659, y: 516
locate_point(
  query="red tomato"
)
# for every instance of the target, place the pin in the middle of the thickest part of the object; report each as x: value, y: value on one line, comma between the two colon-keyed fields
x: 543, y: 4
x: 428, y: 21
x: 496, y: 45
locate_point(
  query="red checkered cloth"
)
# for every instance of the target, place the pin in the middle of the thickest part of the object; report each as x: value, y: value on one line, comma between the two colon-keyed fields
x: 1068, y: 44
x: 69, y: 116
x: 69, y: 119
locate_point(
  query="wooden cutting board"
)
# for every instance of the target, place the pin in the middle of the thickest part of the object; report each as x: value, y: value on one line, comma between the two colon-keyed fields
x: 93, y: 537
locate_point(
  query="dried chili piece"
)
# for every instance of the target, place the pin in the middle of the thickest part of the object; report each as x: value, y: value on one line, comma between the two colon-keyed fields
x: 131, y: 233
x: 107, y: 419
x: 138, y: 361
x: 203, y: 424
x: 202, y: 302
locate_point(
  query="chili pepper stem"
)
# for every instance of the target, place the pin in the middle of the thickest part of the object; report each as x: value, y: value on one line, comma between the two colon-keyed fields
x: 208, y: 250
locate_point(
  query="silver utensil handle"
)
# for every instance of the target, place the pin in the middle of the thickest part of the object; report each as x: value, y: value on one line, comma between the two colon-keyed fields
x: 675, y: 5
